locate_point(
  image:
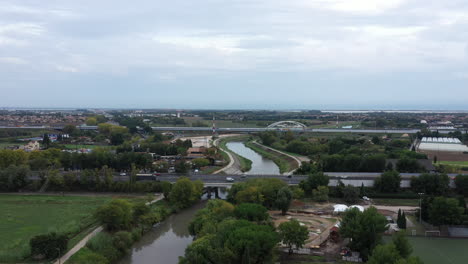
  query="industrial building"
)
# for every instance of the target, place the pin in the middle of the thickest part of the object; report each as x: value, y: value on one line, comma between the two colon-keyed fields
x: 442, y: 144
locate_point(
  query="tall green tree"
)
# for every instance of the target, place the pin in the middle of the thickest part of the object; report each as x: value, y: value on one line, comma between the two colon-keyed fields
x: 384, y: 254
x: 365, y: 229
x: 283, y: 201
x: 313, y: 181
x: 185, y: 192
x: 402, y: 244
x: 445, y: 211
x: 293, y: 234
x: 388, y: 181
x: 46, y: 141
x: 115, y: 215
x: 251, y: 212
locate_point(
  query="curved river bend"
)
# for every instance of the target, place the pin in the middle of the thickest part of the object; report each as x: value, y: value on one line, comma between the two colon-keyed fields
x: 260, y: 165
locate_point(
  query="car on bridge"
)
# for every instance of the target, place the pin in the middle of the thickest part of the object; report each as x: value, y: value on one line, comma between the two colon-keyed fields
x: 229, y: 179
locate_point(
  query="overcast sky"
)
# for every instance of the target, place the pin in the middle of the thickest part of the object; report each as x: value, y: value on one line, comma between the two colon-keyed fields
x: 266, y: 54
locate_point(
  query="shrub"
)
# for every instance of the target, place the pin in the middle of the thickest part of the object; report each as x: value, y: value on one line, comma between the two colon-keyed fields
x: 116, y: 215
x: 49, y: 245
x: 87, y: 256
x: 122, y: 240
x: 102, y: 244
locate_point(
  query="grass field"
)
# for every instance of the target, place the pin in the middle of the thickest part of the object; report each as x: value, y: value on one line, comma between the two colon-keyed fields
x: 396, y: 202
x: 73, y: 146
x: 454, y: 163
x: 23, y: 217
x: 440, y: 250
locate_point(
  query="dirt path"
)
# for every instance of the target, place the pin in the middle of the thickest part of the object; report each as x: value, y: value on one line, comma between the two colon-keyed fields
x: 93, y: 233
x: 393, y: 208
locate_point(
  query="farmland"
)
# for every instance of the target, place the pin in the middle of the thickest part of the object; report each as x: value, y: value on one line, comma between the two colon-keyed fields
x: 26, y: 216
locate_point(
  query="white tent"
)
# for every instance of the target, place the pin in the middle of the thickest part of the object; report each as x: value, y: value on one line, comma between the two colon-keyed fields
x: 339, y: 208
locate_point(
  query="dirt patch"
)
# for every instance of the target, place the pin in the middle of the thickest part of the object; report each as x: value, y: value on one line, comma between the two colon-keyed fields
x: 446, y: 156
x: 317, y: 225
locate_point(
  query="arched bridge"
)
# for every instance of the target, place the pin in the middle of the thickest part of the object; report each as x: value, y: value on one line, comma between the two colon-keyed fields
x: 287, y: 124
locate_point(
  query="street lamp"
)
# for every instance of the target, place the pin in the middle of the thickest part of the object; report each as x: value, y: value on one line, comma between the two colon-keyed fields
x: 420, y: 206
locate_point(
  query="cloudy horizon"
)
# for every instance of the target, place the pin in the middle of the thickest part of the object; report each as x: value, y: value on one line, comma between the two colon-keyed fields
x: 323, y: 54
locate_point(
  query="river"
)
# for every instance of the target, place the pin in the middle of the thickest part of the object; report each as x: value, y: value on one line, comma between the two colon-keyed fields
x: 260, y: 165
x: 166, y: 242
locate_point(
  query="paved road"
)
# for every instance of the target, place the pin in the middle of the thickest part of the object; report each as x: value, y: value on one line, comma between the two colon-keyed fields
x: 234, y: 164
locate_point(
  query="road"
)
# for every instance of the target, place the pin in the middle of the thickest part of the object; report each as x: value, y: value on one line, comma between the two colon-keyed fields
x: 234, y: 166
x: 256, y: 129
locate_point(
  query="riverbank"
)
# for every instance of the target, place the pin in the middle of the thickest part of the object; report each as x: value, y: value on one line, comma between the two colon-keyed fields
x: 285, y: 163
x: 100, y: 245
x: 165, y: 242
x: 236, y: 161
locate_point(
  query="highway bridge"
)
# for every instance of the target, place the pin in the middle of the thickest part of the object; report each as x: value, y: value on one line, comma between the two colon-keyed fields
x: 218, y: 180
x: 252, y: 129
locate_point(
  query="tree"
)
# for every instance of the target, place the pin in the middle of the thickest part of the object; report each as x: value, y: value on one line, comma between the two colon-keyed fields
x: 91, y: 121
x: 200, y: 162
x: 320, y: 194
x: 69, y: 129
x: 461, y: 183
x: 313, y: 181
x: 122, y: 241
x: 445, y: 211
x: 403, y: 220
x: 251, y: 212
x: 406, y: 164
x: 283, y: 200
x: 350, y: 194
x: 402, y: 244
x: 384, y: 254
x: 250, y: 195
x: 49, y: 245
x: 115, y: 215
x: 14, y: 178
x: 365, y: 229
x: 181, y: 167
x: 293, y: 234
x: 388, y: 181
x: 184, y: 192
x: 46, y: 141
x: 251, y: 243
x: 430, y: 183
